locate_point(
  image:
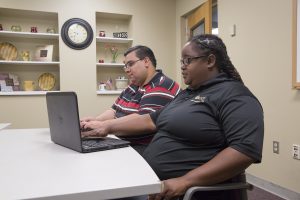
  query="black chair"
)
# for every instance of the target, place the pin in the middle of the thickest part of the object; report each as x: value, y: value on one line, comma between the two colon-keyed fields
x: 238, y: 188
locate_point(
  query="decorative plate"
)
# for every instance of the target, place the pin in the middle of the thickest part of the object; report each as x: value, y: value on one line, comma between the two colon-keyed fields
x: 8, y: 51
x: 46, y: 81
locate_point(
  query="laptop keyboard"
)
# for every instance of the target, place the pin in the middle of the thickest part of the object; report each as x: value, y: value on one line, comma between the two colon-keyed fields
x: 94, y: 143
x: 105, y: 143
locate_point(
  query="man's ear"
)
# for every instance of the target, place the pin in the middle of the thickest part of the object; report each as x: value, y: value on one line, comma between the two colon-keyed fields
x: 147, y: 62
x: 211, y: 61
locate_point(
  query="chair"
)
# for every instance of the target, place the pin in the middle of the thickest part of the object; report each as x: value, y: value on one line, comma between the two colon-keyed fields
x: 238, y: 186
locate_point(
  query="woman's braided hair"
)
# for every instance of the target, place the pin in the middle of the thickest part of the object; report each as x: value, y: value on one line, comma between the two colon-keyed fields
x: 212, y: 44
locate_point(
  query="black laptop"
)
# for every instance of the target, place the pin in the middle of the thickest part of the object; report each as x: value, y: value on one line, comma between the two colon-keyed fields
x: 64, y: 125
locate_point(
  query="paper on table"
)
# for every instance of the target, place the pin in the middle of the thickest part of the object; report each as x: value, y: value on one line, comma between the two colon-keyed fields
x: 4, y: 125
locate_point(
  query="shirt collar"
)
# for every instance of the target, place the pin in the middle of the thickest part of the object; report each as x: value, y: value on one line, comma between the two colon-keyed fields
x: 219, y: 78
x: 155, y: 78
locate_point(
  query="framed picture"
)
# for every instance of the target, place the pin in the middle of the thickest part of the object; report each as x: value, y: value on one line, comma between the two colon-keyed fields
x: 296, y: 44
x: 44, y: 53
x: 9, y: 82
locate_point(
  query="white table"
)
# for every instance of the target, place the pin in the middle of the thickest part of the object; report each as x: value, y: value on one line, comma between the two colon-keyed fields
x: 4, y: 125
x: 31, y: 166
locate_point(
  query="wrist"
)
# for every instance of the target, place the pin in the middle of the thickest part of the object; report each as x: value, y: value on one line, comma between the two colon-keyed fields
x: 108, y: 126
x: 187, y: 182
x: 113, y: 113
x: 97, y: 119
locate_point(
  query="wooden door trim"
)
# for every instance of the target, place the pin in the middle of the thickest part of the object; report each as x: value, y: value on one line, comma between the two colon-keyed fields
x: 202, y: 12
x: 295, y: 83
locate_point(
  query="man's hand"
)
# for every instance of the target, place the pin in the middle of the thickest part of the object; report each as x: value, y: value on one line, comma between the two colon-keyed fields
x: 86, y: 119
x: 171, y: 189
x: 97, y: 128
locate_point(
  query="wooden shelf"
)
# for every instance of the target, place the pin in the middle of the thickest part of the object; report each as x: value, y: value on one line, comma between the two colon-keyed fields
x: 114, y: 40
x: 29, y: 35
x: 23, y: 93
x: 109, y: 92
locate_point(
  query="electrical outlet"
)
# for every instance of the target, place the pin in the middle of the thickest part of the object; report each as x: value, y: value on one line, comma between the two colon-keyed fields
x: 276, y: 147
x: 296, y: 151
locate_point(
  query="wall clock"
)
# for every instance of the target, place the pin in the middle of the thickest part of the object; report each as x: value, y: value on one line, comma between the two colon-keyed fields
x: 77, y: 33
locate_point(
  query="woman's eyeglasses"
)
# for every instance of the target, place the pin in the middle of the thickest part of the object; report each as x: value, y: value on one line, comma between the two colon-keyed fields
x: 130, y: 64
x: 188, y: 60
x: 206, y: 42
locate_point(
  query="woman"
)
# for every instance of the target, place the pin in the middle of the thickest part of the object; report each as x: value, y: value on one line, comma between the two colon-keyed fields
x: 211, y: 132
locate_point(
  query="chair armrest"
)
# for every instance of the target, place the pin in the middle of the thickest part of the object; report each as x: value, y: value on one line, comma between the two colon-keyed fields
x: 230, y: 186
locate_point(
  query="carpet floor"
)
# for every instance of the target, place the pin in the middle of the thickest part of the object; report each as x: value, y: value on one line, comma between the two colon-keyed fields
x: 260, y: 194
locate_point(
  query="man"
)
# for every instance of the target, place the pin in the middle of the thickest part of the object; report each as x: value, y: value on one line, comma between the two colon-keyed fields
x: 149, y: 90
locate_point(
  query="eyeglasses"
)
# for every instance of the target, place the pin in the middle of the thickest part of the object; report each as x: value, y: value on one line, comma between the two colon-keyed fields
x: 187, y: 61
x: 130, y: 64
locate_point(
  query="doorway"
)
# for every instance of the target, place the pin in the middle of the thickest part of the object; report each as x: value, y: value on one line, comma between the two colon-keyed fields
x: 203, y: 19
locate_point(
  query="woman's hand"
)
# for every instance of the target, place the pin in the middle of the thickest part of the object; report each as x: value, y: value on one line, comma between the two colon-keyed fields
x: 171, y: 189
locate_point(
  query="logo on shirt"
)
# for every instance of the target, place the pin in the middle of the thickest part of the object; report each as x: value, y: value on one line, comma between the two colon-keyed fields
x: 199, y: 99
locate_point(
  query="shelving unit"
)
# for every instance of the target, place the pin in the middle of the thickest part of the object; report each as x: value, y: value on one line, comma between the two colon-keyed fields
x: 110, y: 23
x: 12, y: 34
x: 114, y: 40
x: 23, y: 93
x: 28, y: 41
x: 109, y: 92
x: 118, y: 65
x: 28, y: 62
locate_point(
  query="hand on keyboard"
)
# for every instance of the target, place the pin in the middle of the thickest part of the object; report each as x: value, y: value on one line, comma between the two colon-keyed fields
x: 85, y: 129
x: 87, y: 133
x: 96, y: 128
x: 90, y: 135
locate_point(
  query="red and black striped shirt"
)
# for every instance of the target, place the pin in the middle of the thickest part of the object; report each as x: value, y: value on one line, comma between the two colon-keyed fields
x: 142, y: 100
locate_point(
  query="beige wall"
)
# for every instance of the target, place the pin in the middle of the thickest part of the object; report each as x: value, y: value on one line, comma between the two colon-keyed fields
x: 153, y: 25
x: 261, y: 51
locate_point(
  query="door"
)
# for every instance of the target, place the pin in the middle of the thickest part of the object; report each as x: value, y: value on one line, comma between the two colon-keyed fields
x: 203, y: 19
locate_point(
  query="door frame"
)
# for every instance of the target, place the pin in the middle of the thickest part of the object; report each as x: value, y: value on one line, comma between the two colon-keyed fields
x: 200, y: 14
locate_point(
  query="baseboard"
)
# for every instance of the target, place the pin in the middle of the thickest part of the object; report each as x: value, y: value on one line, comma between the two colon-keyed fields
x: 272, y: 188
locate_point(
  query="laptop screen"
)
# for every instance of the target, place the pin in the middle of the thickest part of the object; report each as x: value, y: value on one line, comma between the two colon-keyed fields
x: 63, y: 118
x: 64, y: 125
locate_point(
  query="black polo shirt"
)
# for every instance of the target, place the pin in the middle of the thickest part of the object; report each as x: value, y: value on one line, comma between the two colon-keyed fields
x: 198, y: 124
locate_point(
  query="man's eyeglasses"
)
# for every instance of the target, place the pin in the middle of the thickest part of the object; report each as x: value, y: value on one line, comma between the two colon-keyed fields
x: 187, y: 61
x: 130, y: 64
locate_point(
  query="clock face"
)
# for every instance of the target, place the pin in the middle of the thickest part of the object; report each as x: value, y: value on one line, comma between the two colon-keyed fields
x: 77, y: 33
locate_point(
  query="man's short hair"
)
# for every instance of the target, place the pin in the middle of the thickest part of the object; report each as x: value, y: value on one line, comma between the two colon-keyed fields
x: 142, y: 52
